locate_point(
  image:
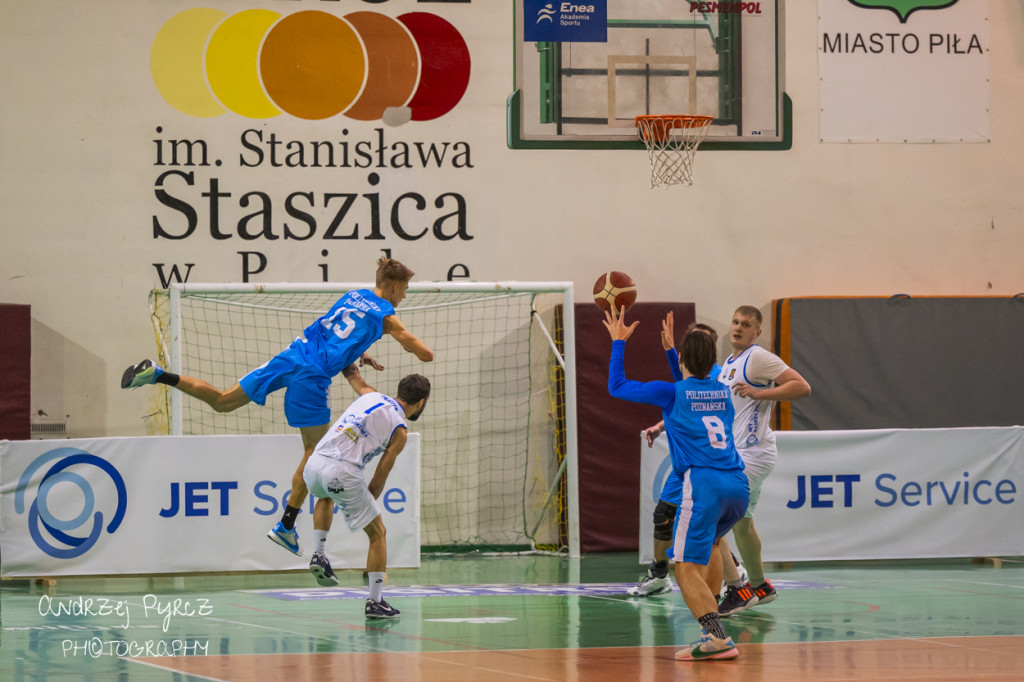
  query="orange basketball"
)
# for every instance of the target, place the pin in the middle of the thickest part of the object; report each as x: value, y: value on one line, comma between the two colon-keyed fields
x: 615, y: 291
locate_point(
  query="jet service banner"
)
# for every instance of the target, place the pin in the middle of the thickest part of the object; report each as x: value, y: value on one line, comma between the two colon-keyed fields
x: 177, y: 504
x: 879, y: 494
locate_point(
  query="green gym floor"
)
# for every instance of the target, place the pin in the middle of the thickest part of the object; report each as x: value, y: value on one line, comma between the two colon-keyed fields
x: 526, y: 618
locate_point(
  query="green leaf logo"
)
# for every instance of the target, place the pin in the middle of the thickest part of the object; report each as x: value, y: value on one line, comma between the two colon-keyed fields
x: 903, y: 8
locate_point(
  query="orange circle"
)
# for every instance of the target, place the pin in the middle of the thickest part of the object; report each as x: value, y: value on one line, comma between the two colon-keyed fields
x: 392, y: 65
x: 313, y: 65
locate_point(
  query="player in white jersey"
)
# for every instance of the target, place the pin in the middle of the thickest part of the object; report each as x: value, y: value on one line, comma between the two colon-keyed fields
x: 757, y: 378
x: 373, y: 425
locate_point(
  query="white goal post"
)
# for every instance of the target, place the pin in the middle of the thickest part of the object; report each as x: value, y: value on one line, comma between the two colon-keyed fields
x: 499, y: 450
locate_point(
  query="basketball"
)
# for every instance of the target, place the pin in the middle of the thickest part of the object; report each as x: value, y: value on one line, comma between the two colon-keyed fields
x: 615, y: 291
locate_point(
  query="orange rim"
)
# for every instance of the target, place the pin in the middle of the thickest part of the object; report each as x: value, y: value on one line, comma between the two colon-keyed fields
x: 659, y: 125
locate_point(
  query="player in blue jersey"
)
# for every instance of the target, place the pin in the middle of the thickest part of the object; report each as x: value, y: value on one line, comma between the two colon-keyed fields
x: 698, y: 417
x: 666, y: 510
x: 305, y: 370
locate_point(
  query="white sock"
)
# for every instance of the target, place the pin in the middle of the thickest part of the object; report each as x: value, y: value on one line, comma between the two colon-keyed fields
x: 320, y: 541
x: 376, y: 585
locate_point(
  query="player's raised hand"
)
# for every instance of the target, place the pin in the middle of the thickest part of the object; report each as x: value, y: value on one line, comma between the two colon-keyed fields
x: 668, y: 336
x: 365, y: 359
x: 615, y: 323
x: 652, y: 432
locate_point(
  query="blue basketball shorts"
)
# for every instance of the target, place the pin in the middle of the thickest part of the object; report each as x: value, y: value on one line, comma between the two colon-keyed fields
x: 307, y: 400
x: 713, y: 501
x: 672, y: 491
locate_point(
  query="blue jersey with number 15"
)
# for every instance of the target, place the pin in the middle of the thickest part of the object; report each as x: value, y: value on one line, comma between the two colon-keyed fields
x: 346, y: 331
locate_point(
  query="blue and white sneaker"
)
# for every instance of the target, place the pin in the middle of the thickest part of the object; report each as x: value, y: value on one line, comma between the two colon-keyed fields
x: 142, y: 374
x: 321, y: 569
x: 289, y: 539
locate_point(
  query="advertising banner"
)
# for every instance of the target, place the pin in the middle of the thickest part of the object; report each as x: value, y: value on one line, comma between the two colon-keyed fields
x: 177, y: 504
x: 904, y: 70
x: 879, y: 494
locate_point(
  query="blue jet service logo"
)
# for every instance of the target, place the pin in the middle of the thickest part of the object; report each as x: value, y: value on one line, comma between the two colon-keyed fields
x: 53, y: 534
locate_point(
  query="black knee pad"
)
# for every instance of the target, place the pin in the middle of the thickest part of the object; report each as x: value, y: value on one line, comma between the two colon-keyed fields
x: 664, y: 518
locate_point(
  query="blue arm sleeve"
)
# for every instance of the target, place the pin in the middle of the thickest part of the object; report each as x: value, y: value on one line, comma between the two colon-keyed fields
x: 660, y: 393
x: 673, y: 362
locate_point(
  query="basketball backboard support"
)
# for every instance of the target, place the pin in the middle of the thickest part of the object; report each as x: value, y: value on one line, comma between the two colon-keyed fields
x: 723, y: 59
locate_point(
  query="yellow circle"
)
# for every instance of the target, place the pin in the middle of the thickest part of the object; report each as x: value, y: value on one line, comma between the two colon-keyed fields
x: 232, y: 63
x: 177, y: 64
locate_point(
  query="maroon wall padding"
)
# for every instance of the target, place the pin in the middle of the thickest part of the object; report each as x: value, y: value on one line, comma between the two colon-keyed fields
x: 608, y: 429
x: 15, y: 370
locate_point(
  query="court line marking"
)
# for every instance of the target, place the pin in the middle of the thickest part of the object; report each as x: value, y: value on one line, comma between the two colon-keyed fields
x: 173, y: 671
x: 979, y: 582
x: 333, y: 640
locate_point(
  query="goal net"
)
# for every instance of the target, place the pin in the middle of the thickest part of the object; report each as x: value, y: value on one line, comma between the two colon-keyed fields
x: 498, y: 438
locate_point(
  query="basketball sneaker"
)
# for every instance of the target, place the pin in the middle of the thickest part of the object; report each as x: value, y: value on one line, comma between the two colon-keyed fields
x: 650, y: 585
x: 766, y: 593
x: 744, y: 578
x: 321, y: 569
x: 709, y: 648
x: 736, y: 599
x: 142, y: 374
x: 380, y: 609
x: 289, y: 539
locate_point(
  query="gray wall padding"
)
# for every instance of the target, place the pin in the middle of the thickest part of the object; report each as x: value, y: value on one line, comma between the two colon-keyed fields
x: 901, y: 362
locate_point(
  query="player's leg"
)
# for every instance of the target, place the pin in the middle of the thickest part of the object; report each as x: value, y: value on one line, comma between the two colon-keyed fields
x: 696, y: 530
x: 284, y: 532
x: 319, y: 566
x: 227, y: 400
x: 739, y: 596
x: 376, y: 565
x: 748, y: 542
x: 657, y: 581
x: 306, y: 408
x: 148, y: 372
x: 714, y: 643
x: 759, y: 462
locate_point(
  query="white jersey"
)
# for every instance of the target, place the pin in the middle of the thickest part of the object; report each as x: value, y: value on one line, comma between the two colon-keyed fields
x: 364, y: 430
x: 758, y: 368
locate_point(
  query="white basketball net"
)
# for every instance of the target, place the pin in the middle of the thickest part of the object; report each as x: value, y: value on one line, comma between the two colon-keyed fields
x: 672, y: 143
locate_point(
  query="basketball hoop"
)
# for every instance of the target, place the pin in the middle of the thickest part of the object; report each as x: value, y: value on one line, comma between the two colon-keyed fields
x: 672, y: 142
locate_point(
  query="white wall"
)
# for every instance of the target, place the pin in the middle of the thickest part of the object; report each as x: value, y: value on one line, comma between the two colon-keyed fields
x: 80, y: 113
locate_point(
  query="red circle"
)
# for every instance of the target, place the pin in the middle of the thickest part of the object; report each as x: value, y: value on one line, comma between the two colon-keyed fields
x: 445, y: 68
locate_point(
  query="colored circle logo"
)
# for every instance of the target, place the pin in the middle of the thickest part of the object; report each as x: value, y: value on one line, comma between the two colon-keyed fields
x: 62, y: 488
x: 312, y: 65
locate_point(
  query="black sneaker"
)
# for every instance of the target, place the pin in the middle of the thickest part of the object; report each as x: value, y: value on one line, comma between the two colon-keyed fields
x: 142, y: 374
x: 766, y: 593
x: 736, y: 599
x: 320, y: 567
x: 380, y: 609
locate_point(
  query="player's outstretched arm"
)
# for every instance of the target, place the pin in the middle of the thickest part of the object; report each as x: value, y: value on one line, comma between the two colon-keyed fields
x: 387, y: 461
x: 408, y: 340
x: 356, y: 381
x: 788, y: 386
x: 652, y: 432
